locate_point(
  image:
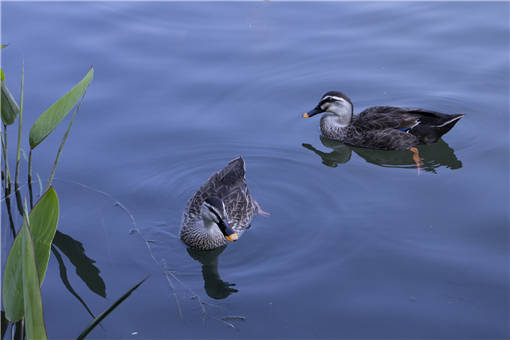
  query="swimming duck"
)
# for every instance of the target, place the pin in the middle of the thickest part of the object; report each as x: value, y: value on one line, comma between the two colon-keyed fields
x: 381, y: 127
x: 221, y: 210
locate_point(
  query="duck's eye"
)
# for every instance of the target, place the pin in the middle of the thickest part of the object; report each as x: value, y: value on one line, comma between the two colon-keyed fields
x: 326, y: 102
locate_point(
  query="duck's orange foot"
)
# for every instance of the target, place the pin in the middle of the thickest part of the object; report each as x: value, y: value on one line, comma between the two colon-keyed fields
x: 416, y: 158
x: 260, y: 211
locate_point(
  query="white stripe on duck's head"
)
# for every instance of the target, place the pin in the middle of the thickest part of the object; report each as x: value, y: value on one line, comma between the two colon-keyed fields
x: 214, y: 215
x: 335, y: 102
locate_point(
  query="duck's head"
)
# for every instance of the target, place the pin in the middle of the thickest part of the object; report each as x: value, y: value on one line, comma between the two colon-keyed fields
x: 333, y: 101
x: 214, y: 216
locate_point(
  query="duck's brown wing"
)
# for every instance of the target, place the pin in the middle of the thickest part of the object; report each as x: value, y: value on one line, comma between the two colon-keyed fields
x: 228, y: 184
x: 427, y: 126
x: 234, y: 192
x: 383, y: 117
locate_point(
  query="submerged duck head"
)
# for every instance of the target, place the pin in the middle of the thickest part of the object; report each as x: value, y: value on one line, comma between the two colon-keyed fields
x: 214, y: 216
x: 334, y: 102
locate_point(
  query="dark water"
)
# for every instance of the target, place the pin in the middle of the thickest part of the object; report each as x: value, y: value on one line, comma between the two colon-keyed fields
x: 357, y: 244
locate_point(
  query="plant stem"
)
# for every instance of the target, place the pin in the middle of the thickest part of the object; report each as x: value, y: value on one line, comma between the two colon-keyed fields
x: 7, y: 173
x: 18, y: 333
x: 9, y: 212
x: 6, y: 166
x: 61, y: 146
x: 30, y: 179
x: 7, y: 182
x: 5, y: 325
x: 16, y: 175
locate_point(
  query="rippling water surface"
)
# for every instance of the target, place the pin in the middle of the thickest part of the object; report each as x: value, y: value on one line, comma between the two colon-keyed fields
x: 357, y: 244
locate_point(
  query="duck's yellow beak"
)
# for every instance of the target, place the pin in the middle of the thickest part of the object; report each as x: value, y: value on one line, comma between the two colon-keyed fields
x: 305, y: 115
x: 232, y: 237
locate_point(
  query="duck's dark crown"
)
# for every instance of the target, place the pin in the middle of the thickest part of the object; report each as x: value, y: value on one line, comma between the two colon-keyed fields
x: 337, y: 94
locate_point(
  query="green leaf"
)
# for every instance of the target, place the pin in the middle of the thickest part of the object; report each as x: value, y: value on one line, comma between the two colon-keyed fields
x: 34, y: 320
x: 49, y: 120
x: 110, y: 309
x: 2, y: 75
x: 43, y: 224
x: 10, y: 108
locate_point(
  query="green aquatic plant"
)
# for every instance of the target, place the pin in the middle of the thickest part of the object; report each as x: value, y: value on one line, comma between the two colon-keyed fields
x: 10, y: 108
x: 2, y: 75
x: 18, y: 148
x: 52, y: 117
x: 32, y: 302
x: 34, y: 320
x: 43, y: 224
x: 28, y: 257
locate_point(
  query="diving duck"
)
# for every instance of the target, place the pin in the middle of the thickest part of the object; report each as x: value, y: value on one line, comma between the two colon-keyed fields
x: 221, y: 210
x: 381, y: 127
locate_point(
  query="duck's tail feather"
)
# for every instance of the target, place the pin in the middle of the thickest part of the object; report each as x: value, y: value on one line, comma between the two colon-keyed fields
x: 234, y: 171
x: 431, y: 133
x: 447, y: 125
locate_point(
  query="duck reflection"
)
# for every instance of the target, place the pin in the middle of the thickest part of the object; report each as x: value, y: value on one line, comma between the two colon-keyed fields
x: 433, y: 155
x: 214, y: 286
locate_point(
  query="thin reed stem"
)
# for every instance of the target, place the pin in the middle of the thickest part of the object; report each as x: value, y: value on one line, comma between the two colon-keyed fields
x: 30, y: 179
x: 16, y: 175
x: 7, y: 182
x: 7, y: 172
x: 19, y: 332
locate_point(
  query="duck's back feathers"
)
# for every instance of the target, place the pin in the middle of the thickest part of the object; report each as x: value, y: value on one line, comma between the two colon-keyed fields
x: 427, y: 126
x: 228, y: 184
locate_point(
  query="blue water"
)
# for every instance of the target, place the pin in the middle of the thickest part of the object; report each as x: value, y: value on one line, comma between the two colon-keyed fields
x: 357, y: 244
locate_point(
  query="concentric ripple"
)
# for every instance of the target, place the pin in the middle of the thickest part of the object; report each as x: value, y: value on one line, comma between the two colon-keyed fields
x: 309, y: 213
